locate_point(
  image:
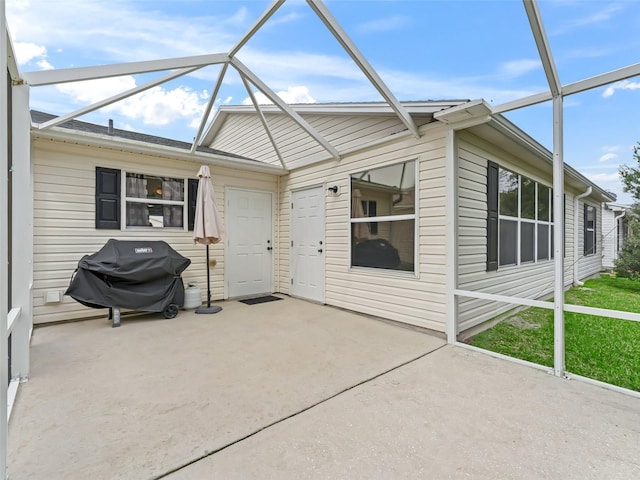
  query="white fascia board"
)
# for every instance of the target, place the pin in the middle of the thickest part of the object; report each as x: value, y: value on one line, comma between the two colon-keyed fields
x: 464, y: 112
x: 335, y: 109
x: 132, y: 146
x: 65, y: 75
x: 364, y: 108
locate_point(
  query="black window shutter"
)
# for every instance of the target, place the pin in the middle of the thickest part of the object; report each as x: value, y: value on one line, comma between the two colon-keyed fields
x: 107, y: 198
x: 595, y: 229
x: 492, y: 216
x: 192, y: 196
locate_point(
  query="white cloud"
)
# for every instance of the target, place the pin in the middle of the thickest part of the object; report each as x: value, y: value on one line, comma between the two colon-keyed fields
x: 603, y: 177
x: 26, y: 52
x: 623, y: 85
x: 156, y: 106
x: 516, y: 68
x: 296, y: 94
x: 383, y: 24
x: 607, y: 156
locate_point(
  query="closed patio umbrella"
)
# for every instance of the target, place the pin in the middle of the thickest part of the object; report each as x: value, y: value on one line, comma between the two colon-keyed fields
x: 208, y: 228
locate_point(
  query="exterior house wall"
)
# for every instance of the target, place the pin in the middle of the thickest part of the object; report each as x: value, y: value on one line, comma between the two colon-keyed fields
x: 64, y: 218
x: 342, y: 131
x: 609, y: 238
x: 589, y: 265
x: 533, y: 280
x: 402, y: 296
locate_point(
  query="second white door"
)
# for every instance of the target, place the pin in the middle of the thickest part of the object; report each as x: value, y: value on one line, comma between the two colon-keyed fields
x: 307, y: 244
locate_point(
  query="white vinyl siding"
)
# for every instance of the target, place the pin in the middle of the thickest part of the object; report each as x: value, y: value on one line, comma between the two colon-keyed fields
x: 532, y: 280
x: 64, y: 219
x: 591, y: 264
x: 609, y: 237
x: 417, y: 299
x: 295, y: 145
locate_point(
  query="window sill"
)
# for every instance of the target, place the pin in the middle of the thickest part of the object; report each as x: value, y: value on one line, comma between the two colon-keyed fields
x: 383, y: 272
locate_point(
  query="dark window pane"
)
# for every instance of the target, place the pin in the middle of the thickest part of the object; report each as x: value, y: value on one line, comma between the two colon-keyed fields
x: 148, y: 186
x: 508, y: 193
x: 543, y: 242
x: 527, y: 237
x: 508, y: 242
x: 392, y: 248
x: 543, y: 203
x: 528, y: 196
x: 591, y: 213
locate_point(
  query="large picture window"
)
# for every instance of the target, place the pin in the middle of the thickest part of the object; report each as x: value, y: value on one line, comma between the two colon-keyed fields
x: 383, y: 217
x: 525, y: 213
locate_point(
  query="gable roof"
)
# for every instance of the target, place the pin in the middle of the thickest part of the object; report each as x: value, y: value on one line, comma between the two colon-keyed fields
x: 115, y: 138
x: 271, y: 135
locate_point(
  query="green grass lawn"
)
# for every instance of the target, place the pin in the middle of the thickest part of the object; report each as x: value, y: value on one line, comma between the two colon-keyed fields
x: 602, y: 348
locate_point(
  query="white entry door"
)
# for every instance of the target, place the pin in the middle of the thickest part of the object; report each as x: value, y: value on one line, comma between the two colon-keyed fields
x: 307, y: 244
x: 249, y: 259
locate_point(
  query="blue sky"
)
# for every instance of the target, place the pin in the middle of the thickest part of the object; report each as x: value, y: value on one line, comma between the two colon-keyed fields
x: 422, y: 49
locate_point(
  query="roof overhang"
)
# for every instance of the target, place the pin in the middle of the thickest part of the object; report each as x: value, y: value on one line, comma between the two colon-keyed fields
x: 109, y: 142
x: 478, y: 118
x: 415, y: 109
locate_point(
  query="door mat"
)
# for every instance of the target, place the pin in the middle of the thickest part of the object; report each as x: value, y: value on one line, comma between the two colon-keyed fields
x: 253, y: 301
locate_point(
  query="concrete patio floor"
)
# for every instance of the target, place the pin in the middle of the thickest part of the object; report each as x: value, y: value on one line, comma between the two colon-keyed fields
x: 295, y: 390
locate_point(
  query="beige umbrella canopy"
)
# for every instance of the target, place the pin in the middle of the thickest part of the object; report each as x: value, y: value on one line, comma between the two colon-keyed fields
x: 361, y: 230
x: 207, y: 227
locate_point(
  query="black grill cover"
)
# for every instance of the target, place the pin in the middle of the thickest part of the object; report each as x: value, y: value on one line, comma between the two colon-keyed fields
x: 135, y: 274
x: 376, y: 253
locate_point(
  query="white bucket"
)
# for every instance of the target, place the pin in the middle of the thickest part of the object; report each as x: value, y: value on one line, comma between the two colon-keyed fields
x: 192, y: 296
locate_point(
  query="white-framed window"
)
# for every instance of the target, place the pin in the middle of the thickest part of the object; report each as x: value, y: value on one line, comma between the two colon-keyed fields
x: 525, y: 220
x: 136, y: 200
x: 154, y: 201
x: 383, y: 217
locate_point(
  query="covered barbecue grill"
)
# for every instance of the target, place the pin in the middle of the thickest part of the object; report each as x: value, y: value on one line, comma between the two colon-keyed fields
x: 133, y: 274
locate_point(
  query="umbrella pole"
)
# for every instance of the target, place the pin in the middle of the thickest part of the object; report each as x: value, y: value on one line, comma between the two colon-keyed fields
x: 208, y: 281
x: 208, y: 308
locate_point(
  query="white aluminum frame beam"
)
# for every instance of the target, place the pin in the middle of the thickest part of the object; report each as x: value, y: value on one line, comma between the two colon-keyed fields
x: 66, y: 75
x: 209, y: 107
x: 243, y: 70
x: 263, y: 119
x: 334, y: 27
x: 537, y: 28
x: 116, y: 98
x: 273, y: 8
x: 4, y: 244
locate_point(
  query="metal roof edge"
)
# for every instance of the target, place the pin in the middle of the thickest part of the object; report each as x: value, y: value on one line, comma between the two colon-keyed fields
x: 347, y: 108
x: 134, y: 146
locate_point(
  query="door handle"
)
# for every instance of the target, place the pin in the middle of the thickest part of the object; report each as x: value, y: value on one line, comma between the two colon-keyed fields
x: 319, y: 250
x: 269, y: 248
